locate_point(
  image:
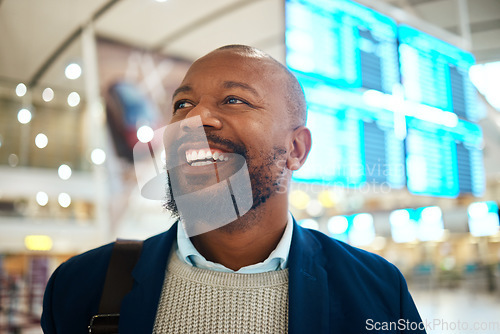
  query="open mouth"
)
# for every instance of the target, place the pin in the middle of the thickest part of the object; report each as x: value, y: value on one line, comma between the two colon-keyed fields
x: 204, y: 157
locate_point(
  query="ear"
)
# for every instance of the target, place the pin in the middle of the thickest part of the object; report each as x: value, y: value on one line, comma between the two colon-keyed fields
x: 301, y: 145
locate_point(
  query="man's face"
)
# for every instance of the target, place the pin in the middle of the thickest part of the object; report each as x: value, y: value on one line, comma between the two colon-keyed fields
x: 241, y: 104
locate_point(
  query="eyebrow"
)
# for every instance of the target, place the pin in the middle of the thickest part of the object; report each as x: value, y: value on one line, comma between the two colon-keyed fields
x: 182, y: 89
x: 244, y: 86
x: 226, y: 85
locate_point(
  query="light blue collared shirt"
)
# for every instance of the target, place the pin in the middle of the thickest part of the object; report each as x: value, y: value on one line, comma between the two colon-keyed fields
x: 277, y: 260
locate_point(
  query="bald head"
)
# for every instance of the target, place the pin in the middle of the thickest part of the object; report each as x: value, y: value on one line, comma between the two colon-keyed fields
x: 294, y: 94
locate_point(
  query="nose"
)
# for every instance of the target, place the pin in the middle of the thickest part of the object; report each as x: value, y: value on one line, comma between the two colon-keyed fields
x: 207, y: 116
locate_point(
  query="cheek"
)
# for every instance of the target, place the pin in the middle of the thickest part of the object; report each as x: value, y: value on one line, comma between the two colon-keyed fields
x: 260, y: 143
x: 260, y: 135
x: 264, y: 131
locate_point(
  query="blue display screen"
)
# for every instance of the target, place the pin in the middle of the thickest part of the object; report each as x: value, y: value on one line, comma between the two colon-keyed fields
x: 436, y: 73
x: 342, y: 42
x: 380, y: 113
x: 353, y: 144
x: 444, y: 161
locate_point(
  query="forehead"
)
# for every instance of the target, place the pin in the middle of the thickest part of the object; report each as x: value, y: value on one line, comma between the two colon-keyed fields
x: 218, y: 67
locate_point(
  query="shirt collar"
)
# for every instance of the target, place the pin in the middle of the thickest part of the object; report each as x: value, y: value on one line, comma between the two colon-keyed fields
x: 277, y: 260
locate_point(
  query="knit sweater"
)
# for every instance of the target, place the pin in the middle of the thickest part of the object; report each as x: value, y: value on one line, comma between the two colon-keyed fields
x: 197, y: 300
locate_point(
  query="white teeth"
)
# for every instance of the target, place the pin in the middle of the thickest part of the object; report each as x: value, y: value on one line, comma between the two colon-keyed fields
x: 201, y: 154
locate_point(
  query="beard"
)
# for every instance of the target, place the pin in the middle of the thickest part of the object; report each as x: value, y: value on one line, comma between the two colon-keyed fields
x: 266, y: 172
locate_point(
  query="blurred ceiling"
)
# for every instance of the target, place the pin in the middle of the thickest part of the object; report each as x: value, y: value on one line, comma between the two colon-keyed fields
x: 39, y: 38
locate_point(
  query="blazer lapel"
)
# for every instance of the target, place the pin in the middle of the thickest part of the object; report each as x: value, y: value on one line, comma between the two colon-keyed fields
x: 138, y: 309
x: 308, y: 285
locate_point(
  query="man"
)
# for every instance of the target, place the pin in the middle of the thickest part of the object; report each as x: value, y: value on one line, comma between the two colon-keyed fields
x: 257, y: 273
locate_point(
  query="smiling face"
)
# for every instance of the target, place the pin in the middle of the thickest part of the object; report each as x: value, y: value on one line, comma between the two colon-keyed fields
x: 240, y: 100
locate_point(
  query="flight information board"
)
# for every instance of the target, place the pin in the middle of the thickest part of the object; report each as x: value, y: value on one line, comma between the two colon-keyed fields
x: 343, y: 42
x: 444, y: 161
x: 380, y: 99
x: 353, y: 144
x: 436, y: 73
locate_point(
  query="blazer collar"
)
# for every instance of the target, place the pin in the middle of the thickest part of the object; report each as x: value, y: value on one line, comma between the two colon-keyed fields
x: 308, y: 284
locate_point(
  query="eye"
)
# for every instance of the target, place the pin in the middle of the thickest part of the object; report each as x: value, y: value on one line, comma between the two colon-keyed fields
x: 181, y: 104
x: 234, y: 100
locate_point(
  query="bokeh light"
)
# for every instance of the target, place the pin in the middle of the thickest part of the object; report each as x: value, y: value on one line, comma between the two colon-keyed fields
x: 24, y: 116
x: 41, y: 140
x: 73, y: 99
x: 48, y: 94
x: 64, y: 200
x: 21, y: 89
x: 42, y: 198
x: 64, y: 172
x: 73, y: 71
x: 98, y: 156
x: 337, y: 225
x: 145, y: 134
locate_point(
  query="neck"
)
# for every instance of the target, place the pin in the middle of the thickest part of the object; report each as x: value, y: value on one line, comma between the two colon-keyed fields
x: 233, y: 247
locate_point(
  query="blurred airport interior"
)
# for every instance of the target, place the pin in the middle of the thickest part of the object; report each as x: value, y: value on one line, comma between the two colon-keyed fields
x: 403, y: 107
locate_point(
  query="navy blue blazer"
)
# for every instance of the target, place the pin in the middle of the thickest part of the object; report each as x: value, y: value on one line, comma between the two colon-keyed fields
x: 333, y: 288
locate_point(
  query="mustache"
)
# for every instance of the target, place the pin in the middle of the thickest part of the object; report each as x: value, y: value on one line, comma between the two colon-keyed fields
x: 227, y: 144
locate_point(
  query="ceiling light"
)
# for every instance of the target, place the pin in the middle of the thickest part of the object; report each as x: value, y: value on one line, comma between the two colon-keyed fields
x: 24, y: 116
x: 73, y: 99
x: 64, y: 200
x: 41, y: 140
x: 48, y: 94
x: 21, y: 89
x: 98, y: 156
x: 42, y: 198
x: 64, y: 171
x: 73, y: 71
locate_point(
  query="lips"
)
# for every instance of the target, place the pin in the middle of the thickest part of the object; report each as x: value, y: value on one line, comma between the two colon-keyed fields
x: 201, y: 164
x: 206, y: 156
x: 202, y: 153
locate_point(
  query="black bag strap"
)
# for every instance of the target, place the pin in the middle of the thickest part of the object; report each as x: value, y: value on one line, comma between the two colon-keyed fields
x: 117, y: 284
